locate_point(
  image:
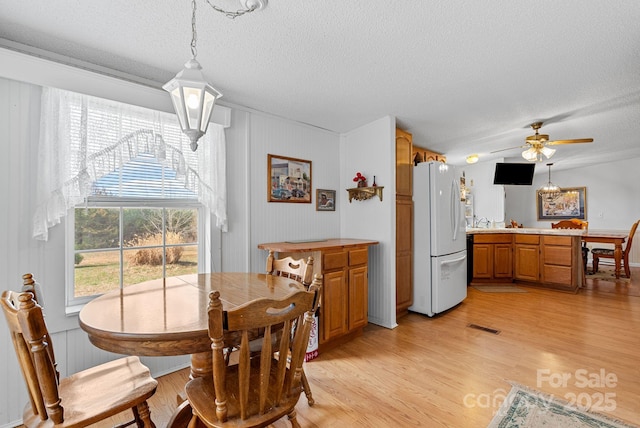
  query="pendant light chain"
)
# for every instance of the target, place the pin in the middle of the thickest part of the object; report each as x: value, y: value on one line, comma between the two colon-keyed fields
x: 192, y: 96
x: 232, y: 15
x: 194, y: 34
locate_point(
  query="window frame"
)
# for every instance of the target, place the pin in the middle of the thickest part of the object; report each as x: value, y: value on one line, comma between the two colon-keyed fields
x: 74, y: 304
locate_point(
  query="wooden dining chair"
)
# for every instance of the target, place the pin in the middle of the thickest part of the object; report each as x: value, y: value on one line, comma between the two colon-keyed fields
x: 608, y: 253
x: 576, y: 223
x: 83, y: 398
x: 259, y: 389
x: 302, y: 271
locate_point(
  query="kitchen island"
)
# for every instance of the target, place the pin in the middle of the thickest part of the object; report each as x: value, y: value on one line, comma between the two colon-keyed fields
x: 344, y: 266
x: 549, y: 258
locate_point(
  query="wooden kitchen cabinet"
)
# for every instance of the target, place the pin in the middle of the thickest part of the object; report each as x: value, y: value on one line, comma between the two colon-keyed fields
x: 404, y: 256
x: 404, y: 164
x: 541, y: 259
x: 344, y: 266
x: 358, y: 297
x: 559, y: 255
x: 527, y: 257
x: 334, y: 305
x: 345, y: 293
x: 492, y: 258
x: 404, y: 222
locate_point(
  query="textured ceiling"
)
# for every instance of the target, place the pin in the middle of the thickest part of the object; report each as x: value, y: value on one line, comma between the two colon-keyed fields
x: 462, y: 76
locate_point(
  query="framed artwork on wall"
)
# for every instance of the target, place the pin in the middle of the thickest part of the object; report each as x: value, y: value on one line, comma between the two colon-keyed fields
x: 288, y: 179
x: 571, y: 203
x: 325, y: 200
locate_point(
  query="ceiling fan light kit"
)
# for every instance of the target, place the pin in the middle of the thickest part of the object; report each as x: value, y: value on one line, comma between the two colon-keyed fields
x: 537, y: 148
x: 534, y: 154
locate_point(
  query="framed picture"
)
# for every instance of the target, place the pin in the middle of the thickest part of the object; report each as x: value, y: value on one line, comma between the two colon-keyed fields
x: 571, y: 203
x: 288, y: 179
x: 325, y: 200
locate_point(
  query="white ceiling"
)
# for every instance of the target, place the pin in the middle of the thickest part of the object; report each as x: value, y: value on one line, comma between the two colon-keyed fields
x: 463, y: 76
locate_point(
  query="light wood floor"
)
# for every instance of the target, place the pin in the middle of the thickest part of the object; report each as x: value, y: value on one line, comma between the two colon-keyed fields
x: 439, y: 372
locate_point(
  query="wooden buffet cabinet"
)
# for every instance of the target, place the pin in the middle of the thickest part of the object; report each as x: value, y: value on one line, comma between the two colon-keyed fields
x: 344, y: 266
x: 550, y: 258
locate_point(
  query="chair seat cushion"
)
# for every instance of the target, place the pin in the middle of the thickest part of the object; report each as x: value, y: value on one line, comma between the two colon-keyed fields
x: 602, y: 252
x: 98, y: 392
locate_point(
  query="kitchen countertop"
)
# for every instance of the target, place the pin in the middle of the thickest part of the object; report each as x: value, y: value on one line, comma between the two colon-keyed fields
x: 315, y: 244
x: 528, y: 230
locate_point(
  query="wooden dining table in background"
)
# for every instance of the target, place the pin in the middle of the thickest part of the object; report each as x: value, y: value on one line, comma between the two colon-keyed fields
x: 617, y: 239
x: 168, y: 317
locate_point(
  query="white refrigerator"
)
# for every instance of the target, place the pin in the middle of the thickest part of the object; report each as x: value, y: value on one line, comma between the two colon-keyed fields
x: 439, y: 239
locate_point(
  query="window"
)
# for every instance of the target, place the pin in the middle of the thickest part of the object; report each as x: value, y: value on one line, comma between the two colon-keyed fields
x: 137, y: 198
x: 119, y: 244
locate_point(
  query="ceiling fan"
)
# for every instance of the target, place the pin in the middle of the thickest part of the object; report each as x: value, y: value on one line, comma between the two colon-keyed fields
x: 537, y: 145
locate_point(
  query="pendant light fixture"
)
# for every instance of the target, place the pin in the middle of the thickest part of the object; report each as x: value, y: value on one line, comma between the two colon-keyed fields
x: 549, y: 192
x: 192, y: 97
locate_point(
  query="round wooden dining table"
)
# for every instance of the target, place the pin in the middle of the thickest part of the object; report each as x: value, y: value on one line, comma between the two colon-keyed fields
x: 166, y: 317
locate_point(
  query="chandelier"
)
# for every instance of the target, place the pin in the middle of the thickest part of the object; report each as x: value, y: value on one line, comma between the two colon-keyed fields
x: 549, y: 192
x: 192, y: 97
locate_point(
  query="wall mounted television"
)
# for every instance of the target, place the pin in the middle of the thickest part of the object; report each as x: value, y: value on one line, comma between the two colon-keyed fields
x: 518, y: 174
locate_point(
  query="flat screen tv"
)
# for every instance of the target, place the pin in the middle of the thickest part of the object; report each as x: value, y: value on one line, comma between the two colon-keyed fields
x: 519, y: 174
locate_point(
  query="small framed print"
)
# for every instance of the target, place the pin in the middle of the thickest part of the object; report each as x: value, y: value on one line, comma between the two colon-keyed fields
x: 325, y: 200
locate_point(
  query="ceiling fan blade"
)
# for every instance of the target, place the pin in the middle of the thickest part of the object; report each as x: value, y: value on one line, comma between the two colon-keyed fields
x: 504, y: 150
x: 579, y: 140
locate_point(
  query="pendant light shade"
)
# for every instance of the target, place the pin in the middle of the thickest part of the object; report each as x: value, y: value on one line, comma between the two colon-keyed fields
x: 192, y: 97
x: 193, y: 100
x: 549, y: 191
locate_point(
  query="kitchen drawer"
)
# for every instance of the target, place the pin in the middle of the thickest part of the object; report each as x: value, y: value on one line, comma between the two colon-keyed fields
x: 331, y: 261
x: 560, y: 256
x: 557, y: 240
x: 557, y: 274
x: 358, y: 256
x: 527, y: 239
x: 492, y: 238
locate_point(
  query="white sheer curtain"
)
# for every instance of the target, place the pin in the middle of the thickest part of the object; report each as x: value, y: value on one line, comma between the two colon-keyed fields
x: 83, y: 138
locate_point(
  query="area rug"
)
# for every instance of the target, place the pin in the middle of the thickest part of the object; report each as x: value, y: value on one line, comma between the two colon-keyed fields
x: 499, y: 289
x: 607, y: 273
x: 526, y: 408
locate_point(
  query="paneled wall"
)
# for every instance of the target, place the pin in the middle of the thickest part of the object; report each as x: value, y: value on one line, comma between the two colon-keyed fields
x: 371, y: 150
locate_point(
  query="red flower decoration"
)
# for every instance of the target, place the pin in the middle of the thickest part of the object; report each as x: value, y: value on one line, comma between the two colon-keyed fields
x: 359, y: 177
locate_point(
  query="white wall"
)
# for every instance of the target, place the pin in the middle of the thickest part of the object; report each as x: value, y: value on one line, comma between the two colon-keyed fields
x: 611, y: 203
x: 488, y: 198
x: 370, y: 150
x: 276, y: 221
x: 612, y: 191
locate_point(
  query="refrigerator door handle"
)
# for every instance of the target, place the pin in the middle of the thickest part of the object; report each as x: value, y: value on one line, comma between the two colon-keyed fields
x: 455, y: 209
x: 450, y: 262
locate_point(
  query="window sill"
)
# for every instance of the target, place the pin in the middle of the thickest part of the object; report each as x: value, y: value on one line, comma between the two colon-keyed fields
x: 74, y: 310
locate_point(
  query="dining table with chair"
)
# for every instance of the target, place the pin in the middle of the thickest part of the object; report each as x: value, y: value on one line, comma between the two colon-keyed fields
x: 168, y: 317
x: 615, y: 238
